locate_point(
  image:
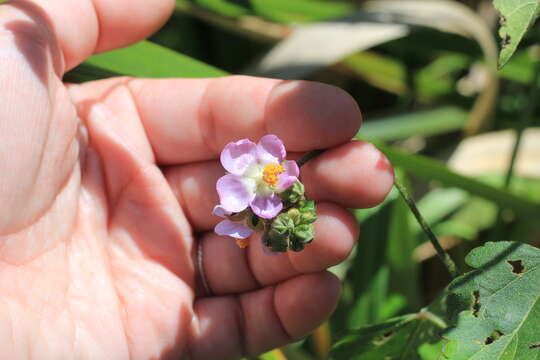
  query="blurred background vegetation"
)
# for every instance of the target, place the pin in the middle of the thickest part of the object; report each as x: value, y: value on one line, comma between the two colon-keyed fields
x: 425, y: 75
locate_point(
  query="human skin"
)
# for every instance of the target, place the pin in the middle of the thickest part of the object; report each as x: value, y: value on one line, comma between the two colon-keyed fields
x: 107, y: 188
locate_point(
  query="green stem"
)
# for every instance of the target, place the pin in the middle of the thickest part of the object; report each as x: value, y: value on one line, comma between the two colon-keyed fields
x: 310, y: 155
x: 443, y: 255
x: 431, y: 317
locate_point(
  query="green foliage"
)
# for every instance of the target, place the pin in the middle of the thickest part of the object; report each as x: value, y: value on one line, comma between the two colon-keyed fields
x: 433, y: 170
x: 424, y: 123
x: 144, y: 59
x: 281, y: 11
x: 517, y: 16
x: 495, y: 308
x: 397, y: 338
x: 492, y: 312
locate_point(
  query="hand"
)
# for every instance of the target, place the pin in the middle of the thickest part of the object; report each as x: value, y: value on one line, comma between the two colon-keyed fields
x: 106, y: 192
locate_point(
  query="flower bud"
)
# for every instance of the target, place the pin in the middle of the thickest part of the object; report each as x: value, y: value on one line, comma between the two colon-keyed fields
x: 304, y: 233
x: 308, y: 213
x: 293, y: 194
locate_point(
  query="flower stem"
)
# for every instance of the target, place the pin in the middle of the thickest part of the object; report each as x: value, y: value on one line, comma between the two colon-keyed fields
x: 310, y: 155
x: 443, y: 255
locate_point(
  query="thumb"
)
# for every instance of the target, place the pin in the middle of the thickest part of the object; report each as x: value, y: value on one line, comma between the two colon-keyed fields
x: 39, y: 40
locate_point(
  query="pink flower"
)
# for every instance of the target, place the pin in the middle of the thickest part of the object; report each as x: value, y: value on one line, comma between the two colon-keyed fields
x: 256, y: 174
x: 234, y: 229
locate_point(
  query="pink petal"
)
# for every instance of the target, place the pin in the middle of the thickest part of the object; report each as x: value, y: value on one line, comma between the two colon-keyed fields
x: 234, y: 194
x: 237, y: 157
x: 220, y: 211
x: 289, y: 176
x: 270, y: 149
x: 266, y: 207
x: 233, y: 229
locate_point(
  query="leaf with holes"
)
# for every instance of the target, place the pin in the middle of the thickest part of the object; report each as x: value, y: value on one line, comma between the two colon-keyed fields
x: 496, y: 307
x: 401, y: 338
x: 516, y: 18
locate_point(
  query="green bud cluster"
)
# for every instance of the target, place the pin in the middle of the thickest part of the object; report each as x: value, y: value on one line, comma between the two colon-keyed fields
x: 292, y: 229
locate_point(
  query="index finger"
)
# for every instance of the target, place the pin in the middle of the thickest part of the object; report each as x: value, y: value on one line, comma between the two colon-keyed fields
x: 190, y: 120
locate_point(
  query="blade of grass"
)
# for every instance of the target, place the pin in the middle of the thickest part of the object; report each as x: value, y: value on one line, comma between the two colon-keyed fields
x: 425, y: 123
x: 430, y: 169
x: 146, y: 59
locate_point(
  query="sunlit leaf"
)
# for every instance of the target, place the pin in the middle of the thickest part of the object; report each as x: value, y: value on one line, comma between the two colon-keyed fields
x: 496, y: 307
x: 276, y: 354
x: 424, y: 123
x: 516, y: 18
x: 430, y: 169
x: 146, y: 59
x: 283, y: 11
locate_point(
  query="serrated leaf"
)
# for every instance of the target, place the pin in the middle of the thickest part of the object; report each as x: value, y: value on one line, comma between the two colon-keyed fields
x: 516, y: 18
x: 496, y: 308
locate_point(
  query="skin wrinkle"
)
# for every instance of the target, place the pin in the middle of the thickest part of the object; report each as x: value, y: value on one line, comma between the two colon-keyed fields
x: 127, y: 85
x: 246, y: 259
x: 290, y: 338
x: 37, y: 177
x: 34, y: 31
x: 99, y: 33
x: 240, y: 326
x: 274, y: 314
x: 37, y: 220
x: 249, y: 262
x: 206, y: 119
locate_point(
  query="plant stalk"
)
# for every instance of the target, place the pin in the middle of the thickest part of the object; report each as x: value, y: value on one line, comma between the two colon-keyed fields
x: 309, y: 156
x: 443, y: 255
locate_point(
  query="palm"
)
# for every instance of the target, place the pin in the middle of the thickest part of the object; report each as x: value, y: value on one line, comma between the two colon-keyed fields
x: 105, y: 186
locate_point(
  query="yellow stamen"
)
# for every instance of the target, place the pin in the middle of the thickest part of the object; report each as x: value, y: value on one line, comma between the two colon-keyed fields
x: 242, y: 243
x: 271, y: 172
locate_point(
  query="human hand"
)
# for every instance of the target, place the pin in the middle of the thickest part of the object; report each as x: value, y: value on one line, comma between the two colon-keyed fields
x: 107, y: 190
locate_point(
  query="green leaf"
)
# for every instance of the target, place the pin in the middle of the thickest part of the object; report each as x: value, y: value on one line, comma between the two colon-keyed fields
x: 516, y: 18
x: 496, y: 307
x: 379, y: 70
x: 88, y: 72
x: 424, y: 123
x: 146, y: 59
x: 397, y: 339
x: 438, y: 204
x: 273, y: 355
x: 282, y: 11
x: 430, y: 169
x: 369, y: 338
x: 521, y: 68
x: 368, y: 276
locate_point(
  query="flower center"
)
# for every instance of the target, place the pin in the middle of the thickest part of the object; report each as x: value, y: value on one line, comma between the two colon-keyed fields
x: 271, y: 172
